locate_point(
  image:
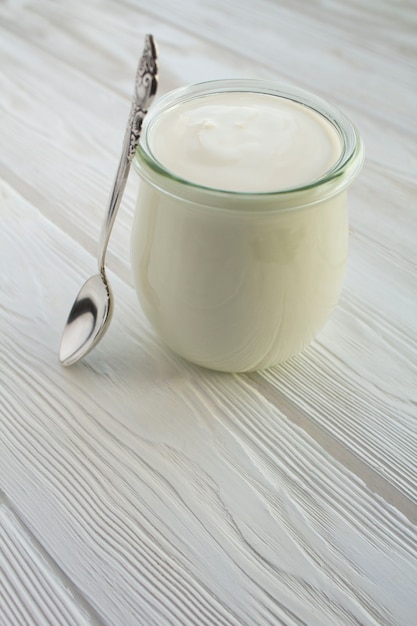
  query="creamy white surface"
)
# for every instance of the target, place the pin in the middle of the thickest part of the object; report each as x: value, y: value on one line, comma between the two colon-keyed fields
x: 242, y: 141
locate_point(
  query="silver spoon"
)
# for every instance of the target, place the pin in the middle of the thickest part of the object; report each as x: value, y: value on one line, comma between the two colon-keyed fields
x: 91, y: 312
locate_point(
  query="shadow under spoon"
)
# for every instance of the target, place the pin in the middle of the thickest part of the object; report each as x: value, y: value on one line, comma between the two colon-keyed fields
x: 91, y: 312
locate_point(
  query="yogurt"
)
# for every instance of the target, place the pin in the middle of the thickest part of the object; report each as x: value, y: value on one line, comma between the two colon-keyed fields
x: 248, y: 142
x: 240, y: 237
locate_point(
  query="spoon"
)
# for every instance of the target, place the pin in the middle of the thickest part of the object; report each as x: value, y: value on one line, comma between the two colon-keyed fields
x: 91, y: 312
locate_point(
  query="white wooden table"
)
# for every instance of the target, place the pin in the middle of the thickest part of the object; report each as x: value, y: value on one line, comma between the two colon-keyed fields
x: 137, y: 489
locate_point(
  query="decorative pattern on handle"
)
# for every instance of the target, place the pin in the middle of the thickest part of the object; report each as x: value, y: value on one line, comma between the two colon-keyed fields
x: 145, y: 89
x: 136, y: 118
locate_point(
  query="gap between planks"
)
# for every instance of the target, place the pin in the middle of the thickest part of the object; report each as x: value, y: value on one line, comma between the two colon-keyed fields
x: 376, y: 483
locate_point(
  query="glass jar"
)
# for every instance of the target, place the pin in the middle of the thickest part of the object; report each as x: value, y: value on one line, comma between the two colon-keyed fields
x: 239, y: 281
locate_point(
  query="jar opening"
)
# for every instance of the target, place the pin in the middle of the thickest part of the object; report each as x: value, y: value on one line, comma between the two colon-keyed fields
x: 332, y: 181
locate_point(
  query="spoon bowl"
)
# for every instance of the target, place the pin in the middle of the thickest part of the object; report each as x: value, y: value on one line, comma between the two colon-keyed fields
x: 88, y: 319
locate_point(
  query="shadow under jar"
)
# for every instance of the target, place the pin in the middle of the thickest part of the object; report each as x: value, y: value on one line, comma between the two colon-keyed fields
x: 240, y: 236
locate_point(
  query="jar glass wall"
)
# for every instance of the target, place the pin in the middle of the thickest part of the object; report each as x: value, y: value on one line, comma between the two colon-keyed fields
x: 239, y: 281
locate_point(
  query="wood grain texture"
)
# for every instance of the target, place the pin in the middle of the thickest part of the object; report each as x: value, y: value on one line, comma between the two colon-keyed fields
x: 134, y: 487
x: 33, y: 589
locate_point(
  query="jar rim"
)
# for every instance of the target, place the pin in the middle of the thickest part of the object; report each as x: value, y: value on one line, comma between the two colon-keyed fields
x: 338, y: 177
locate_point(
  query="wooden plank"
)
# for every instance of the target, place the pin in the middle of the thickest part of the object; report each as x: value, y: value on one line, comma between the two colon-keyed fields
x: 190, y: 495
x: 33, y: 590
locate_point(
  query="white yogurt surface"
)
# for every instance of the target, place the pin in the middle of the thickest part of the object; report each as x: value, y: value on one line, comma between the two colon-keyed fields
x: 248, y: 142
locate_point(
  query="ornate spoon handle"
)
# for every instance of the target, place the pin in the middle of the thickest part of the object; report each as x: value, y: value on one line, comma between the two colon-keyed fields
x: 145, y: 88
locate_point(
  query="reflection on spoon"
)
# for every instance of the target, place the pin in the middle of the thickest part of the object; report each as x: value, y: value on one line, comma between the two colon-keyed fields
x: 91, y: 312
